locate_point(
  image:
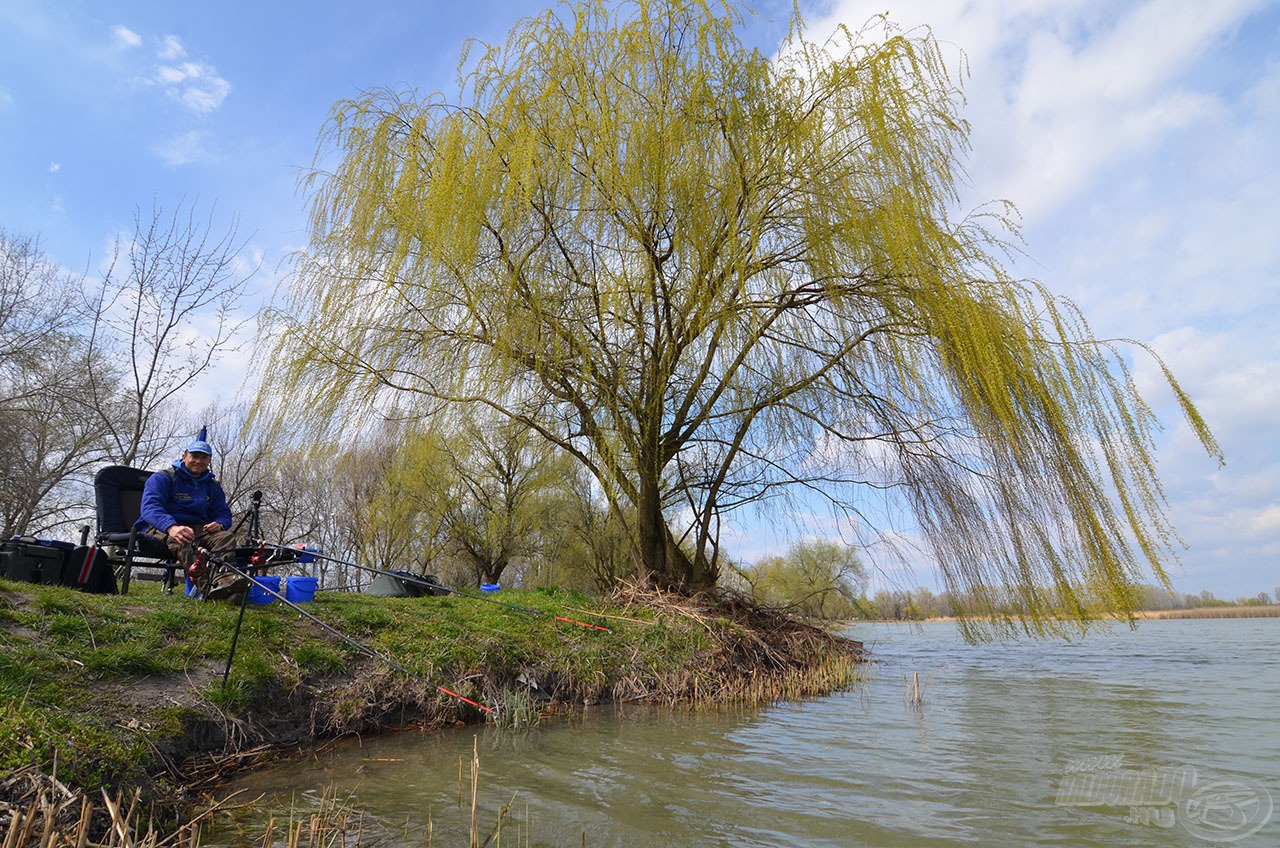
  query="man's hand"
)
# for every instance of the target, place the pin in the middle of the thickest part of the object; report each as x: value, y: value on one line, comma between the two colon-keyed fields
x: 212, y: 527
x: 182, y: 533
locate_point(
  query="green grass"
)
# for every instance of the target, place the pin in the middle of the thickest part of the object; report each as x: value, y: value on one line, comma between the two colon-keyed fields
x: 66, y: 656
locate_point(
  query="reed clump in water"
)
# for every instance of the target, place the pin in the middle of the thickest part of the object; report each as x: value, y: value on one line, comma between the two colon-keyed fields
x: 915, y: 693
x: 339, y: 821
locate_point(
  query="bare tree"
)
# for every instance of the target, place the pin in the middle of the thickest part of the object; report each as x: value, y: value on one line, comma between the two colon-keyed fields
x: 166, y: 311
x: 87, y: 379
x: 49, y: 442
x: 244, y: 452
x: 36, y: 297
x: 48, y: 438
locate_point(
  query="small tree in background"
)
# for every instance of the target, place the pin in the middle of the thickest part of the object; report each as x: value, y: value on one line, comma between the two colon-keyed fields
x: 483, y: 492
x: 821, y: 578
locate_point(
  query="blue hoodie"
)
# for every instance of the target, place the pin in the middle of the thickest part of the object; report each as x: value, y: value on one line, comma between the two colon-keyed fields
x: 179, y: 498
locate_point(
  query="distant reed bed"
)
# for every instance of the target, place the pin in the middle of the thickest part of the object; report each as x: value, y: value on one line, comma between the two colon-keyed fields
x: 1272, y: 611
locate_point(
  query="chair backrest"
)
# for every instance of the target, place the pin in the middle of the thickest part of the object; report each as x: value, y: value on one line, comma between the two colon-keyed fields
x: 117, y: 489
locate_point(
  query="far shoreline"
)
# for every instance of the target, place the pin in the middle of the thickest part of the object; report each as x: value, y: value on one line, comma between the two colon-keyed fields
x: 1259, y: 611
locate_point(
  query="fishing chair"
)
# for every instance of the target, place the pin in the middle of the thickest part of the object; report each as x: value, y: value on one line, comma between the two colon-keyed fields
x: 118, y: 492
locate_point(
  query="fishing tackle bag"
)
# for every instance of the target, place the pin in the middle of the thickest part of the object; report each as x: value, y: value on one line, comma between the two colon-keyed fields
x: 90, y: 570
x: 26, y: 559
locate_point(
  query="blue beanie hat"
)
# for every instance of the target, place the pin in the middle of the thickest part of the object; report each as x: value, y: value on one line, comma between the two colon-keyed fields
x: 201, y: 444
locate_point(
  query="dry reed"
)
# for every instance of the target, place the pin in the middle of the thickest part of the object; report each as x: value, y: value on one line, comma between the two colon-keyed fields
x: 49, y: 815
x: 757, y: 655
x: 41, y: 811
x: 1272, y: 611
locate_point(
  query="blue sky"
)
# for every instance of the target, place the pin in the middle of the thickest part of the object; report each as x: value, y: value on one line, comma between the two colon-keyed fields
x: 1140, y: 141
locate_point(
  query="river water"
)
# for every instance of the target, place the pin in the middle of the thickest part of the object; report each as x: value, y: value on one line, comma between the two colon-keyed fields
x: 1164, y: 736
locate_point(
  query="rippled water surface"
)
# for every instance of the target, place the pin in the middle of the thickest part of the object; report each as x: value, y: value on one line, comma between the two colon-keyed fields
x: 1014, y: 744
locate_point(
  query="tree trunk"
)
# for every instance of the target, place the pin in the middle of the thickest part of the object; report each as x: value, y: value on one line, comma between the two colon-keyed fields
x: 493, y: 571
x: 661, y: 557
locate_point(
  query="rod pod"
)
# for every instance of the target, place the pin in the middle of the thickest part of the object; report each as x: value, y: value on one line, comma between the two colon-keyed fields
x: 426, y: 584
x: 364, y: 649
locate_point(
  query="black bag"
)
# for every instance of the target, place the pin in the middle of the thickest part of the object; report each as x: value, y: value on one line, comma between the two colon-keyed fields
x: 25, y: 559
x: 435, y: 589
x: 417, y: 585
x: 405, y: 584
x: 89, y: 570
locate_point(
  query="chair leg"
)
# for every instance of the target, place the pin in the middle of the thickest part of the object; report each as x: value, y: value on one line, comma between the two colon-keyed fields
x: 128, y: 561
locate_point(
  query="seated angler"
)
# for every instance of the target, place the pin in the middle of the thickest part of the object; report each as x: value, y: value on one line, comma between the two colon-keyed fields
x: 185, y: 507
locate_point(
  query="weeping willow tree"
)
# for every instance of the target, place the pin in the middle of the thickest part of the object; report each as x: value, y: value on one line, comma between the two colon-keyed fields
x: 713, y: 278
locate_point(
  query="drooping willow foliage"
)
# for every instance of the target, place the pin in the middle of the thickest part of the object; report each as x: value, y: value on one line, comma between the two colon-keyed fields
x: 714, y: 277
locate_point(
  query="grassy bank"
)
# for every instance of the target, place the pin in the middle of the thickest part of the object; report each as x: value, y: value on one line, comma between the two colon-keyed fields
x: 127, y: 692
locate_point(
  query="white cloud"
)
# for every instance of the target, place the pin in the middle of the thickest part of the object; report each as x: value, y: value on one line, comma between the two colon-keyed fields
x: 196, y: 86
x: 171, y: 76
x: 184, y: 149
x: 1062, y: 89
x: 171, y: 48
x: 1228, y: 515
x: 125, y: 37
x: 205, y: 97
x: 1265, y: 523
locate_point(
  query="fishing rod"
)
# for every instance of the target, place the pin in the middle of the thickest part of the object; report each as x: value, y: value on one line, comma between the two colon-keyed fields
x: 431, y: 584
x: 364, y: 649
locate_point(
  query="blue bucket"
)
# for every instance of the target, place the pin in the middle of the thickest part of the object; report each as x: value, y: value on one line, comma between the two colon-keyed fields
x: 300, y: 590
x: 257, y: 595
x: 490, y: 587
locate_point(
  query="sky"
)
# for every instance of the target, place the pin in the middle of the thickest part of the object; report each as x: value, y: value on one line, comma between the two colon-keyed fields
x: 1140, y: 142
